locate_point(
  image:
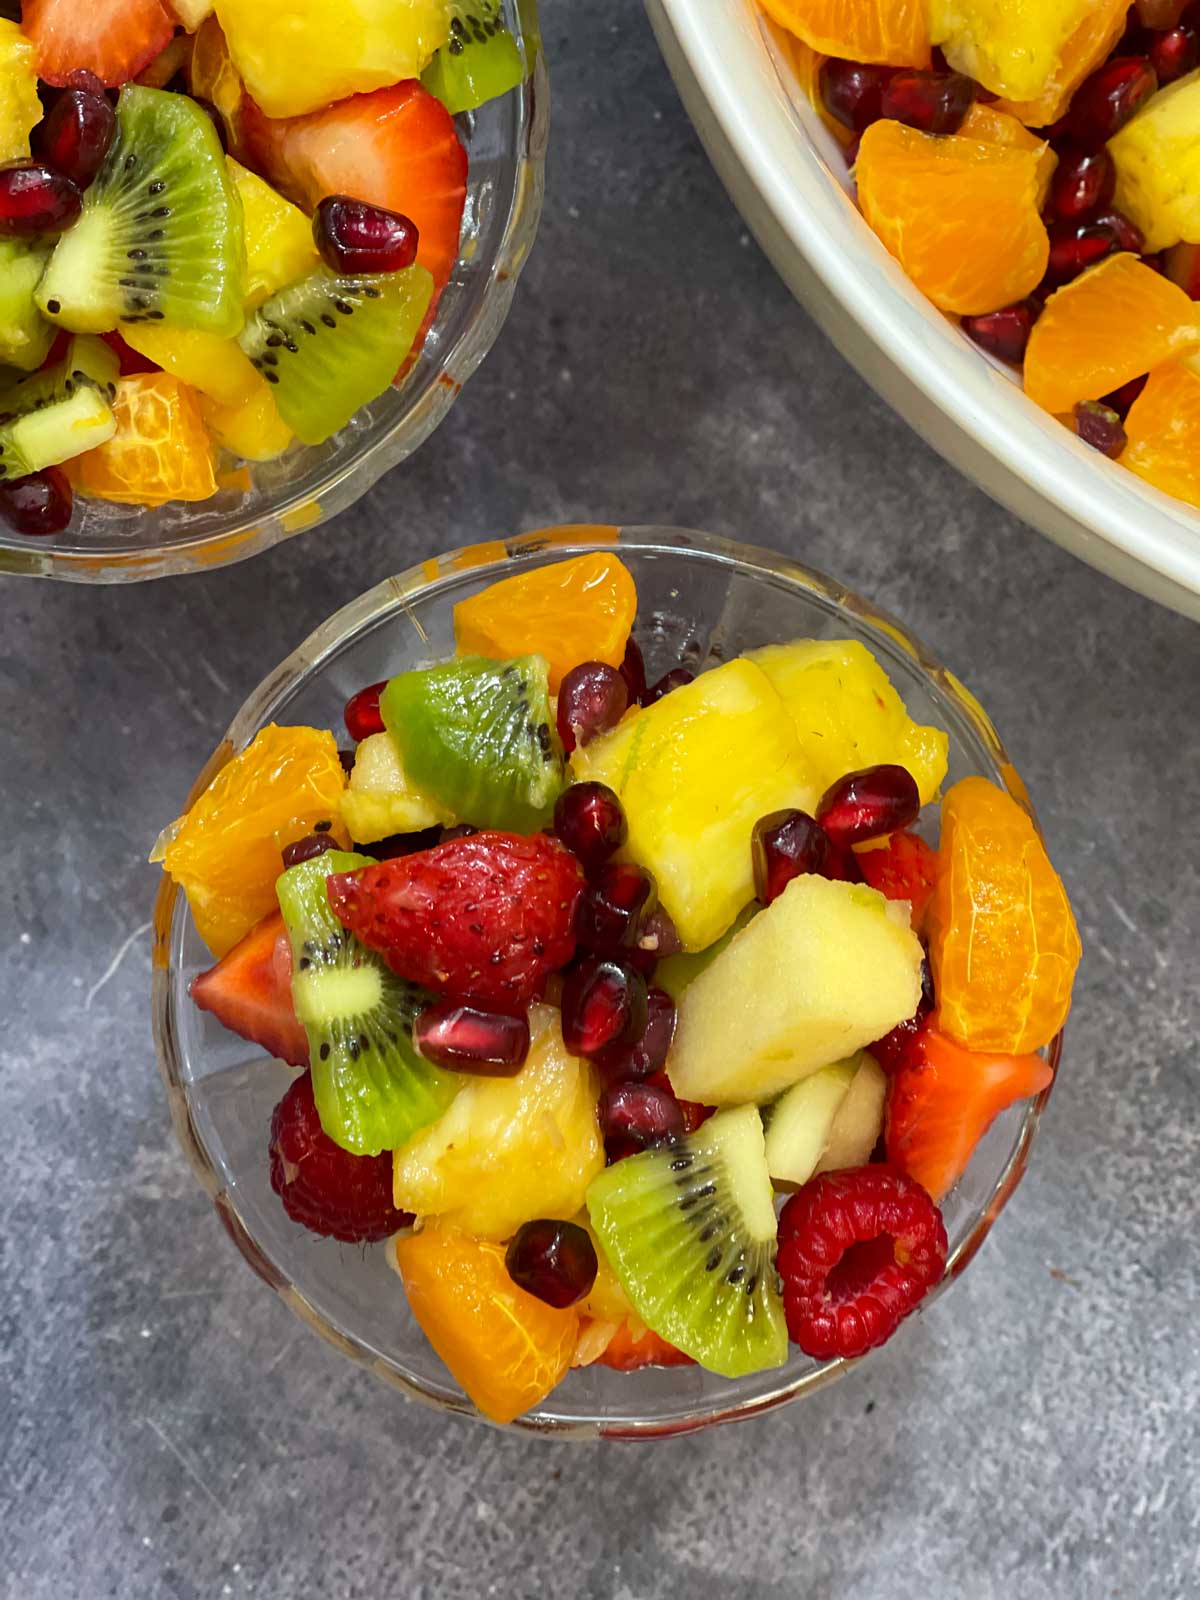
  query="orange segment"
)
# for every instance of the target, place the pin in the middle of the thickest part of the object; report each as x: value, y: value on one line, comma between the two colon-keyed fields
x: 225, y: 853
x: 961, y: 216
x: 570, y: 611
x: 506, y: 1348
x: 1003, y: 941
x: 990, y: 125
x: 1083, y: 52
x: 161, y: 450
x: 1163, y: 429
x: 891, y: 32
x: 1111, y: 324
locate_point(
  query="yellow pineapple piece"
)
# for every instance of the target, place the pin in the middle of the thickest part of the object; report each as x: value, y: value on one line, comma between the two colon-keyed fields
x: 253, y: 430
x: 279, y: 237
x: 1012, y: 47
x: 20, y: 108
x: 217, y: 367
x: 694, y: 773
x: 508, y: 1149
x: 1157, y: 154
x: 381, y: 799
x: 848, y: 715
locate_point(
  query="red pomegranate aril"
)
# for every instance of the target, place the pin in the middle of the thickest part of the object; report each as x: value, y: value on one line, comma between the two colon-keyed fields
x: 309, y: 848
x: 75, y: 135
x: 657, y: 940
x: 933, y: 102
x: 1083, y: 181
x: 784, y: 845
x: 603, y: 1003
x: 554, y: 1261
x: 634, y: 1116
x: 467, y: 1039
x: 589, y: 820
x: 677, y: 678
x: 1127, y: 234
x: 1075, y: 246
x: 1104, y: 103
x: 614, y: 907
x: 648, y: 1054
x: 362, y: 714
x: 1100, y: 427
x: 354, y: 236
x: 1175, y: 52
x: 863, y: 805
x: 891, y: 1050
x: 38, y: 506
x: 592, y: 698
x: 633, y: 670
x: 34, y: 198
x: 1159, y: 13
x: 851, y: 91
x: 1004, y: 333
x: 1121, y: 399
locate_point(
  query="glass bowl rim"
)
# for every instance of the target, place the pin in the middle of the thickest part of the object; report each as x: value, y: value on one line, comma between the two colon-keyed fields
x: 368, y: 611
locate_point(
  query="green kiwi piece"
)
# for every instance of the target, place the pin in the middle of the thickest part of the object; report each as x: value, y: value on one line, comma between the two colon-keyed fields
x: 479, y: 61
x: 89, y: 362
x: 478, y: 736
x: 161, y: 235
x: 372, y: 1088
x: 54, y: 432
x: 330, y: 344
x: 689, y: 1229
x: 25, y: 335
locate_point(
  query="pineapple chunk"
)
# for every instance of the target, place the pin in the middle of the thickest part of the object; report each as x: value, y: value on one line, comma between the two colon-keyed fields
x: 279, y: 237
x: 20, y: 108
x: 508, y: 1149
x: 1157, y: 154
x: 694, y: 773
x: 1013, y: 47
x: 381, y: 800
x: 847, y: 714
x: 823, y: 971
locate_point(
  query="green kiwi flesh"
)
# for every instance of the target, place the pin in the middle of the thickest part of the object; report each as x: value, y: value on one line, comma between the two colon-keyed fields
x: 478, y: 736
x: 372, y: 1088
x: 88, y: 362
x: 328, y: 345
x: 689, y: 1228
x: 479, y: 61
x: 161, y: 238
x: 25, y: 335
x: 54, y: 432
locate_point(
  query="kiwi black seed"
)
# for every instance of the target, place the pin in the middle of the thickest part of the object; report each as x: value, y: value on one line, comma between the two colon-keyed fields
x: 480, y: 60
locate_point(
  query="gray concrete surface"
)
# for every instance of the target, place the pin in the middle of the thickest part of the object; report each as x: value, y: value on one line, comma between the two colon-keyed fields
x: 168, y: 1430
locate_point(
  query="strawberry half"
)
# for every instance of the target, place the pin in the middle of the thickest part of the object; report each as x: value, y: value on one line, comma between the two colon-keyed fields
x: 395, y: 148
x: 943, y: 1099
x: 483, y: 919
x: 904, y: 869
x: 627, y: 1351
x: 115, y: 39
x: 250, y: 991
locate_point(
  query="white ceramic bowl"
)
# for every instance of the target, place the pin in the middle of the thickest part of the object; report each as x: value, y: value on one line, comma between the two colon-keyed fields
x: 788, y: 178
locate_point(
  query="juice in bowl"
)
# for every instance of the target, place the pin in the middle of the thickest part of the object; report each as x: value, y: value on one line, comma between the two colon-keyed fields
x: 609, y: 980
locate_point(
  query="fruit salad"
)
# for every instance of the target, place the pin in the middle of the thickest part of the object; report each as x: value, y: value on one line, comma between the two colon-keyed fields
x: 639, y: 1024
x: 224, y: 229
x: 1035, y: 169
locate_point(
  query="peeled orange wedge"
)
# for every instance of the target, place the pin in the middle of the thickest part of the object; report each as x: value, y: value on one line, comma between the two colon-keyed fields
x: 991, y: 125
x: 1163, y: 430
x: 892, y: 33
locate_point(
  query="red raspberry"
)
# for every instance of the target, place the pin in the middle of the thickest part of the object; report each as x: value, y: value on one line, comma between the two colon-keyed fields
x: 330, y: 1191
x: 857, y: 1251
x: 483, y: 919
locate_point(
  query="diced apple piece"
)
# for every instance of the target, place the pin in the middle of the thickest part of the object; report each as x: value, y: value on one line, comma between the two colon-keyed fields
x: 819, y: 974
x: 801, y: 1121
x: 859, y: 1121
x: 1157, y: 154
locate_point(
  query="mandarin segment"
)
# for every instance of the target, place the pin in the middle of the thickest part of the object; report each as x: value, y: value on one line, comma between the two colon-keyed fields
x: 161, y: 450
x: 1163, y: 432
x: 990, y: 125
x: 889, y: 32
x: 1003, y: 942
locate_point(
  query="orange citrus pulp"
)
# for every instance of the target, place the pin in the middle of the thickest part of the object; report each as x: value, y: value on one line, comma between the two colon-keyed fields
x: 1163, y: 432
x: 161, y: 450
x: 890, y: 32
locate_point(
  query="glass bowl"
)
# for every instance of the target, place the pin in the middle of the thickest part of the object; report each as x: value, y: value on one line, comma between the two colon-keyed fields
x: 506, y: 145
x: 701, y: 600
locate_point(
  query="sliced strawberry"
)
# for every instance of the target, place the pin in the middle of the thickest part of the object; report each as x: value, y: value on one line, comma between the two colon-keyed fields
x: 395, y: 148
x: 115, y: 39
x: 903, y: 870
x: 250, y: 991
x: 942, y: 1099
x: 629, y: 1349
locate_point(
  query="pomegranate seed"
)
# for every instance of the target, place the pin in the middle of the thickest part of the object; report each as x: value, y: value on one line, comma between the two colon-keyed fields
x: 590, y: 822
x: 353, y: 236
x: 362, y: 715
x: 863, y: 805
x: 81, y: 78
x: 309, y: 848
x: 1004, y: 333
x: 894, y: 1046
x: 603, y: 1003
x: 841, y: 866
x: 76, y: 133
x: 36, y: 199
x: 592, y: 698
x: 37, y: 506
x: 614, y: 907
x: 1159, y: 13
x: 658, y: 940
x: 633, y: 670
x: 675, y: 679
x: 1127, y: 234
x: 1100, y: 427
x: 1121, y: 399
x: 647, y: 1055
x: 933, y: 102
x: 460, y: 830
x: 852, y: 92
x: 555, y: 1261
x: 784, y: 845
x: 1104, y: 103
x: 1075, y: 246
x: 1083, y: 181
x: 466, y: 1039
x: 634, y: 1116
x: 1174, y: 53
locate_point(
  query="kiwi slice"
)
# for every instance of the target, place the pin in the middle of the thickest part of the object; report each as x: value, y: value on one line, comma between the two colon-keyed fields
x: 161, y: 235
x: 372, y: 1088
x: 478, y: 737
x: 330, y: 344
x: 54, y: 433
x: 689, y: 1229
x: 479, y: 61
x: 25, y: 335
x: 89, y: 363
